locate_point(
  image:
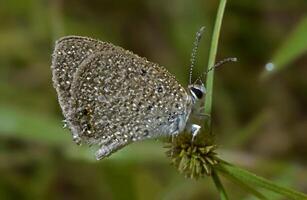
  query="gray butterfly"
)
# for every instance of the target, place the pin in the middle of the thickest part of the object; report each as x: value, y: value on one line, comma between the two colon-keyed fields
x: 111, y: 97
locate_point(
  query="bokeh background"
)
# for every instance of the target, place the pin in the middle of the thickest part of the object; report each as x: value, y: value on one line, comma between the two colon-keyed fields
x: 259, y: 116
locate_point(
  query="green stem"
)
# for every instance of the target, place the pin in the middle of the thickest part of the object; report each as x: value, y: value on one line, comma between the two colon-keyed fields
x: 212, y: 55
x: 211, y: 62
x: 219, y: 186
x: 257, y: 181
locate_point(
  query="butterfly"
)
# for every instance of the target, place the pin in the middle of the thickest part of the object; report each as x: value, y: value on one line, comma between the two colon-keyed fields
x: 111, y: 97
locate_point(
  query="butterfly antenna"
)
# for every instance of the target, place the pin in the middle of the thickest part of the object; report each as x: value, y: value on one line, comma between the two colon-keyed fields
x: 194, y: 50
x: 220, y: 63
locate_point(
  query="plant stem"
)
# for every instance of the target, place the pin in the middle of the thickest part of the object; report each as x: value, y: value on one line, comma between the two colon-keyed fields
x: 239, y: 175
x: 212, y: 55
x: 219, y: 186
x: 209, y: 86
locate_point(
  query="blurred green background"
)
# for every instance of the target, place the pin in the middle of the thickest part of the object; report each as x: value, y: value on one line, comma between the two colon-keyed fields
x: 259, y: 116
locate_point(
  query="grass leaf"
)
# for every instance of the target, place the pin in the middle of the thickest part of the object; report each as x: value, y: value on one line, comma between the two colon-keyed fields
x: 219, y: 186
x: 212, y: 56
x: 257, y: 181
x: 294, y: 46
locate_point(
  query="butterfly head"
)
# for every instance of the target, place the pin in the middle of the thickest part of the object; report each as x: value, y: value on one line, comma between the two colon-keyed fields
x: 197, y: 91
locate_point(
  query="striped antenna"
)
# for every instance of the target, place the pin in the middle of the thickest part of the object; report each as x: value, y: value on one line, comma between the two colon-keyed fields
x: 218, y: 64
x: 222, y: 62
x: 194, y: 50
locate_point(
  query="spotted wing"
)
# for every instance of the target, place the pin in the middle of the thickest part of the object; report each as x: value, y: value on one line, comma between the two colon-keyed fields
x: 69, y: 52
x: 119, y: 97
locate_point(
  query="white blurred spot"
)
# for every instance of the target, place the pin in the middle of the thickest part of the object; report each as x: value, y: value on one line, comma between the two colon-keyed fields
x: 269, y: 66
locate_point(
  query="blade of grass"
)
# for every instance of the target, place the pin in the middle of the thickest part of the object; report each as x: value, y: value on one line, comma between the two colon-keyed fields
x: 257, y: 181
x: 209, y: 85
x: 212, y: 55
x: 294, y: 46
x: 244, y: 186
x: 211, y: 61
x: 26, y: 125
x: 219, y: 186
x: 286, y: 177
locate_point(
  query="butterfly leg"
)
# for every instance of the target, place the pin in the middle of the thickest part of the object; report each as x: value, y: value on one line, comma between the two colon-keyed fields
x: 201, y: 113
x: 194, y: 130
x: 203, y: 116
x: 173, y: 137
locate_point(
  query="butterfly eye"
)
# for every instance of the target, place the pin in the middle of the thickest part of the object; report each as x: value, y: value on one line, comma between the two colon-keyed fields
x: 197, y: 92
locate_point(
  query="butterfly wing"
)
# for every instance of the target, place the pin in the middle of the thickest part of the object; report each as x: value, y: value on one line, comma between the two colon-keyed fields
x: 119, y: 97
x: 111, y: 97
x: 68, y: 54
